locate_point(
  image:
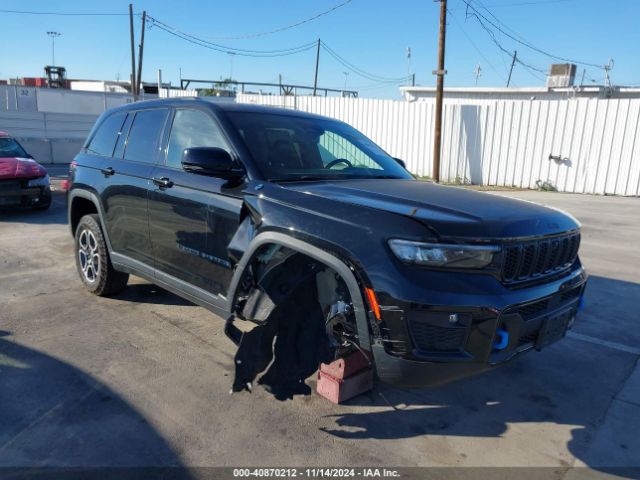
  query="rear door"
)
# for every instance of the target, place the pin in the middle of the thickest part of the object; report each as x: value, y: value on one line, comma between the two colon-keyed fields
x: 193, y: 217
x: 128, y: 182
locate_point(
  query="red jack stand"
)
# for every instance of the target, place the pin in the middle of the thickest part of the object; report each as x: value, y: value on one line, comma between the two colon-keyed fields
x: 345, y: 378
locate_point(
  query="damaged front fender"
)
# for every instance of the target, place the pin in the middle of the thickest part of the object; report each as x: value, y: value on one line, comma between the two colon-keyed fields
x: 276, y: 238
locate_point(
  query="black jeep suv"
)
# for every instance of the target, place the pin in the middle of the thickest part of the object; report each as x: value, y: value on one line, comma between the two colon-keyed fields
x: 304, y: 227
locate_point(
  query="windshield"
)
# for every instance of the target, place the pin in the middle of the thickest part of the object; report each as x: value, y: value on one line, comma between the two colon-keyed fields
x: 10, y: 148
x: 288, y: 147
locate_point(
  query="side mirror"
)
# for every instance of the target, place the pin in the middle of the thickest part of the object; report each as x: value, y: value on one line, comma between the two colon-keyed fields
x: 212, y: 161
x: 400, y: 162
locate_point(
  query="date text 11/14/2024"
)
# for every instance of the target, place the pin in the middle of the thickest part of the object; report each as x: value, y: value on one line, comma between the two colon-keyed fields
x: 316, y: 472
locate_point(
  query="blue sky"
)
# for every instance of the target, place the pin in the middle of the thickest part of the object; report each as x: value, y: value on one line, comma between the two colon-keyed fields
x: 371, y: 34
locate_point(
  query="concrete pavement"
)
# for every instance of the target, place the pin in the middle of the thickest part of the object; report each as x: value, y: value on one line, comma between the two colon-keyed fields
x: 143, y: 378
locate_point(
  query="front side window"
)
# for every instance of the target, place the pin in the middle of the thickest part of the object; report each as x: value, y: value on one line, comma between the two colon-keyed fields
x: 11, y: 148
x: 106, y: 136
x: 192, y: 128
x: 287, y: 147
x: 144, y: 135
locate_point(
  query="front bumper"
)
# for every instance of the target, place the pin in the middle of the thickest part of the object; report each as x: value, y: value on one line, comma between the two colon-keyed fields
x: 422, y: 345
x: 17, y: 193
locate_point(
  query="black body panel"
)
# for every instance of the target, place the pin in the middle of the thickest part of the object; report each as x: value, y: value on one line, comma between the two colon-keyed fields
x: 179, y: 233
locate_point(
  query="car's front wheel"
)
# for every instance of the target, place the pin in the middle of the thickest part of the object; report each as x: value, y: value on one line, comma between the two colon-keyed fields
x: 92, y: 259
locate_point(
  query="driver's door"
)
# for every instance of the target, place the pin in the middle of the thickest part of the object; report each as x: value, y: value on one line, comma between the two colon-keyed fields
x: 192, y: 217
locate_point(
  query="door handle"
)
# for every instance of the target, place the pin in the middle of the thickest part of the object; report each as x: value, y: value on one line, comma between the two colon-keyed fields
x: 162, y: 182
x: 107, y: 172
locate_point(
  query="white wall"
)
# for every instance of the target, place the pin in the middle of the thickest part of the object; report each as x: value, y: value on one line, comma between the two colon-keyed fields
x: 53, y: 123
x: 49, y: 137
x: 501, y: 142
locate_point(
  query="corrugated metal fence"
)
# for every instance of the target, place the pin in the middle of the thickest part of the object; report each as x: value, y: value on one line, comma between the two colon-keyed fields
x: 583, y: 145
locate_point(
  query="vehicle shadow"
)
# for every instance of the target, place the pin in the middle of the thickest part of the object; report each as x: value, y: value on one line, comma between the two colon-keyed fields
x: 55, y: 215
x: 149, y: 293
x: 54, y: 415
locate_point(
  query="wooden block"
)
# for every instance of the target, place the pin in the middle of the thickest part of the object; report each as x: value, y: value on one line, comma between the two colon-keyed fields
x: 345, y: 367
x: 338, y: 390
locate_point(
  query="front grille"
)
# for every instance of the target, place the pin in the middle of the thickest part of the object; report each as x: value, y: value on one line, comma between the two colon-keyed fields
x: 9, y: 185
x: 434, y: 338
x: 524, y: 261
x: 528, y: 338
x: 531, y: 310
x: 533, y: 313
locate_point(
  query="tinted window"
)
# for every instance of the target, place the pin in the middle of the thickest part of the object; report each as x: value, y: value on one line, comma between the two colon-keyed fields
x: 122, y: 136
x: 10, y: 148
x: 142, y: 143
x: 192, y: 128
x: 287, y: 147
x: 106, y: 136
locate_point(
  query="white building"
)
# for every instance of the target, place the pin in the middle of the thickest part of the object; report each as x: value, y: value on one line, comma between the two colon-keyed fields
x: 100, y: 86
x: 478, y: 95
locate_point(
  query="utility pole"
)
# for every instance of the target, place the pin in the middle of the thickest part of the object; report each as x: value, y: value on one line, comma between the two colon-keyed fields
x: 607, y: 69
x: 141, y: 52
x: 133, y: 55
x: 440, y: 72
x: 513, y: 62
x: 478, y: 73
x: 315, y: 79
x: 53, y: 36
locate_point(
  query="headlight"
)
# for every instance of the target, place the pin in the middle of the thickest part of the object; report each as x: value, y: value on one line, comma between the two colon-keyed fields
x: 39, y: 182
x: 443, y: 255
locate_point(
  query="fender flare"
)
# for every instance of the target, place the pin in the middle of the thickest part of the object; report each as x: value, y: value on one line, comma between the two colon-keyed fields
x: 93, y: 198
x: 318, y: 254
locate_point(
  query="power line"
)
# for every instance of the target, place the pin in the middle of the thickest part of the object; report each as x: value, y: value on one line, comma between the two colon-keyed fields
x: 287, y: 27
x: 531, y: 69
x: 358, y: 71
x: 74, y: 14
x: 534, y: 71
x: 538, y: 2
x: 479, y: 17
x: 227, y: 49
x: 473, y: 44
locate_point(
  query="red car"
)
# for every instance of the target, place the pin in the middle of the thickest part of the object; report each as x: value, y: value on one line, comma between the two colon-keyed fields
x: 23, y: 181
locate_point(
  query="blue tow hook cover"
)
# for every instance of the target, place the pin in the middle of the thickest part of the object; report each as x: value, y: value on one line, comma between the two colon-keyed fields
x: 502, y: 339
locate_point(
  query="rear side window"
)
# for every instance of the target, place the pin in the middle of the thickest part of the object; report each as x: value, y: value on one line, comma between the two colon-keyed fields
x: 142, y: 143
x: 106, y: 136
x: 122, y: 136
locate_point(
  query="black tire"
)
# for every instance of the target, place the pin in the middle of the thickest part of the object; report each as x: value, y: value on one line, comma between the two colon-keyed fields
x: 92, y: 259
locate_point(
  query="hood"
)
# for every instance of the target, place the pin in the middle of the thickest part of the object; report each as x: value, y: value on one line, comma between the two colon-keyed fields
x: 451, y: 211
x: 16, y: 167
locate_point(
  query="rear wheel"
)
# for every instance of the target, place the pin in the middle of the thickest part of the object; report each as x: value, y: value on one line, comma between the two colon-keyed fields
x: 92, y: 259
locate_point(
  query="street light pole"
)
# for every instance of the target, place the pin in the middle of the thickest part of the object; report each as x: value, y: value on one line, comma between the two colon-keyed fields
x: 53, y: 36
